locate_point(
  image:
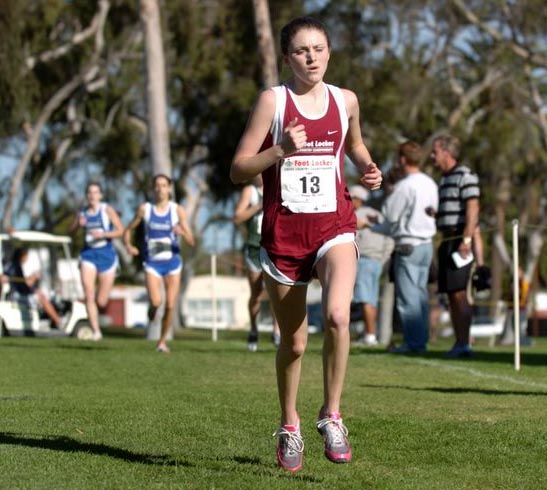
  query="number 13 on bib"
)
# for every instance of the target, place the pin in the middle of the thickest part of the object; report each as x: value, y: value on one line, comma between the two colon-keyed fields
x: 308, y: 183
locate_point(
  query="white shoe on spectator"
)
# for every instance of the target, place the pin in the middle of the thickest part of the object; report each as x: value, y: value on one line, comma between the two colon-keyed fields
x: 367, y: 340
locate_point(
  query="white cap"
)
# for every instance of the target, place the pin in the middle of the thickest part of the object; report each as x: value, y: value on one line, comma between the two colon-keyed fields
x: 358, y: 192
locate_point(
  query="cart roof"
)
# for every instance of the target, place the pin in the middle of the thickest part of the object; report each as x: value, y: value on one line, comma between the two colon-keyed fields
x: 30, y: 236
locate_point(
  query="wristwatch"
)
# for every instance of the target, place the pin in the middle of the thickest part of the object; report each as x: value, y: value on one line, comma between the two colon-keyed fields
x: 467, y: 240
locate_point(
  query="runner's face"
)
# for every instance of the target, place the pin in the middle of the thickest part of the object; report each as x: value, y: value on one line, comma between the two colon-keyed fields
x: 308, y: 55
x: 162, y: 189
x: 94, y: 195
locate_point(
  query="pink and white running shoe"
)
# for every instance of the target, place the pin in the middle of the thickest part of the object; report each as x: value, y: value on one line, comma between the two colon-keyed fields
x: 334, y: 432
x: 290, y: 448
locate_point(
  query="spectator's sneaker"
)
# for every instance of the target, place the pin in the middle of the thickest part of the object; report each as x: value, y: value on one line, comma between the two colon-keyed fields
x: 459, y: 351
x: 252, y: 342
x: 399, y: 349
x: 405, y: 349
x: 334, y: 432
x: 276, y: 339
x: 290, y: 448
x: 370, y: 339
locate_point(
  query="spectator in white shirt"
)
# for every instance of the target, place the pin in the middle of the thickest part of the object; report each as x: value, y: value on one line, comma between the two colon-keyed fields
x: 412, y: 228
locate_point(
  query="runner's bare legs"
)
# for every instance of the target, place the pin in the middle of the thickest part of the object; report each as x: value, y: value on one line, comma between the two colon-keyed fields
x: 257, y: 287
x: 88, y: 274
x: 154, y: 286
x: 337, y: 272
x: 172, y: 287
x: 106, y: 281
x: 289, y: 306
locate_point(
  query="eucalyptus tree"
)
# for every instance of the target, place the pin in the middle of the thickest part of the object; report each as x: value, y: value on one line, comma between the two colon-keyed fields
x: 73, y: 85
x: 62, y: 93
x: 53, y: 85
x: 510, y: 124
x: 266, y: 43
x: 474, y: 68
x: 156, y: 97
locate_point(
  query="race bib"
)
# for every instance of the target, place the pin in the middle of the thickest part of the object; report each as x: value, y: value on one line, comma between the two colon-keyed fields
x: 95, y: 242
x: 160, y: 248
x: 308, y: 183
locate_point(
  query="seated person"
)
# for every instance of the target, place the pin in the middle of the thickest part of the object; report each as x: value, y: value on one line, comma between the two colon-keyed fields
x: 26, y: 287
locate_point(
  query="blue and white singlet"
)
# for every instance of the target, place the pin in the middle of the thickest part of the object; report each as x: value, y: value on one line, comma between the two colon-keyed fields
x: 162, y: 250
x: 98, y: 252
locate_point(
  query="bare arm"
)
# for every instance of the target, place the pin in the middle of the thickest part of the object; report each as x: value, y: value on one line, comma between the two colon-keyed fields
x: 471, y: 222
x: 116, y: 222
x: 356, y: 148
x: 182, y: 228
x: 244, y: 210
x: 247, y: 161
x: 139, y: 216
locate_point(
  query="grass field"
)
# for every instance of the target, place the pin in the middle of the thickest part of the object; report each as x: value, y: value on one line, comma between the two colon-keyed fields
x: 117, y: 415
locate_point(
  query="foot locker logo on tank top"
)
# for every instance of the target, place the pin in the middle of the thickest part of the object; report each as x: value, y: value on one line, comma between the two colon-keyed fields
x: 308, y: 183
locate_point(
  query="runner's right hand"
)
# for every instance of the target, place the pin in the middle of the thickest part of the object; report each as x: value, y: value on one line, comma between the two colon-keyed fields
x: 294, y: 137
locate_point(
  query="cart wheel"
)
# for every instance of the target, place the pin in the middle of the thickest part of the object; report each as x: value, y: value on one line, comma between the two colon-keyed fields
x: 83, y: 331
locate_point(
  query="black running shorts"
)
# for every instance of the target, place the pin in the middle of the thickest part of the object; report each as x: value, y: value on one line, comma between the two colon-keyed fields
x: 452, y: 278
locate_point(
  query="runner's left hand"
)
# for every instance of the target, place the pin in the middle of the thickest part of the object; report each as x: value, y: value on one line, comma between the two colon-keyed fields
x: 372, y: 178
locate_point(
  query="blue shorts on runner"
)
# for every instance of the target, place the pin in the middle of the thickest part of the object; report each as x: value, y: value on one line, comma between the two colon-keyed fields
x: 102, y: 259
x: 162, y: 268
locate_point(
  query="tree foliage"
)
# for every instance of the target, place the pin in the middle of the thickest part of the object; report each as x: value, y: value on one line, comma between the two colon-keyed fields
x: 474, y: 68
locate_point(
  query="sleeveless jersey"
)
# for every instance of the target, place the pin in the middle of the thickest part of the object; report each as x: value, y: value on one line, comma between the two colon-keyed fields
x: 96, y: 221
x: 254, y: 224
x: 161, y: 243
x: 306, y: 201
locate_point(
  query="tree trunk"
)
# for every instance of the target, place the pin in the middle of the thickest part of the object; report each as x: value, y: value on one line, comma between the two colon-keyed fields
x: 498, y: 264
x: 533, y: 231
x: 158, y: 132
x: 156, y: 98
x: 266, y: 49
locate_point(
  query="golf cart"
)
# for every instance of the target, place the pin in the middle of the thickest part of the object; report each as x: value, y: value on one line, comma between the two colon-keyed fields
x: 50, y: 254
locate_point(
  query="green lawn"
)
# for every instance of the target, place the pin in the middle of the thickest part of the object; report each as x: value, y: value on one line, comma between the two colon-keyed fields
x: 118, y: 415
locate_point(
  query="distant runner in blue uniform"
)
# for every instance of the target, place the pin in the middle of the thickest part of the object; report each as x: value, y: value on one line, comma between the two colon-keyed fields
x: 98, y: 260
x: 164, y: 221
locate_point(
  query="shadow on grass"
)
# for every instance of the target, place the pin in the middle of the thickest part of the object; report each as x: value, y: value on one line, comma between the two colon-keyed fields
x: 124, y: 333
x: 73, y: 344
x: 69, y: 445
x: 246, y: 460
x: 262, y: 469
x: 501, y: 357
x: 85, y: 345
x: 455, y: 391
x: 239, y: 350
